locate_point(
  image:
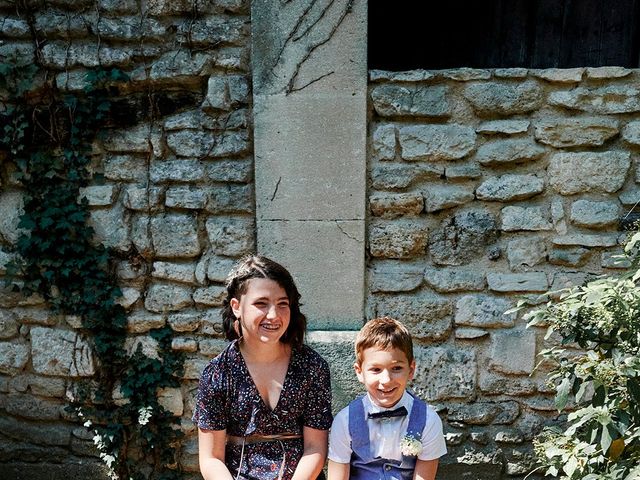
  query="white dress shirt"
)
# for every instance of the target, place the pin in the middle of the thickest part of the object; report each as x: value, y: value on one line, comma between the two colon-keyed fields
x: 385, y: 434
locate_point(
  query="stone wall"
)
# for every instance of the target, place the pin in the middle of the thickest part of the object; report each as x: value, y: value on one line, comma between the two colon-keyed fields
x: 175, y: 200
x: 486, y: 187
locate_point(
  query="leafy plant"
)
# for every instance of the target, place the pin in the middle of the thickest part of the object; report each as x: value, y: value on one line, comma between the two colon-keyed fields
x: 599, y: 385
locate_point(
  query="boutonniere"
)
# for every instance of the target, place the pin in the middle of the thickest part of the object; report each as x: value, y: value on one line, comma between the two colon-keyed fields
x: 410, y: 446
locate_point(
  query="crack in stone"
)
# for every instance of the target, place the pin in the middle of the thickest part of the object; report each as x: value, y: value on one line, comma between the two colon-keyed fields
x: 312, y: 82
x: 347, y: 234
x: 275, y: 191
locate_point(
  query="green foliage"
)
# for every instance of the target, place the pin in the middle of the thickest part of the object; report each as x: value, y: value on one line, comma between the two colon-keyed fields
x: 48, y: 136
x: 600, y: 384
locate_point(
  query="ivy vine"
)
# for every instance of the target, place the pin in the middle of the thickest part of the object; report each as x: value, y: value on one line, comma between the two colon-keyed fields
x: 47, y: 134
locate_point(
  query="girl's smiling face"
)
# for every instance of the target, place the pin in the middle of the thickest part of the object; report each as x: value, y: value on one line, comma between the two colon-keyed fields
x: 385, y: 374
x: 263, y: 310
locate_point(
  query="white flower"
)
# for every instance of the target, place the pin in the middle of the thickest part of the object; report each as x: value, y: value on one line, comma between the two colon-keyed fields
x: 144, y: 414
x: 410, y: 446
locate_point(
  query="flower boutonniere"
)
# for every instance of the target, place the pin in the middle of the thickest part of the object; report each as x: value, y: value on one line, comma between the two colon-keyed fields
x: 410, y: 446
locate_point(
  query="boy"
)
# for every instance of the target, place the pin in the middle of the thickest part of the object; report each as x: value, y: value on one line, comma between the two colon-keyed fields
x: 387, y: 433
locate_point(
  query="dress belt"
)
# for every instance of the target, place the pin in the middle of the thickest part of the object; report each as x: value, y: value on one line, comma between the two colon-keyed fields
x: 248, y: 440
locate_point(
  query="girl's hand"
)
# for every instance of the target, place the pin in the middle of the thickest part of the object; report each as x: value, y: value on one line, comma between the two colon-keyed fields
x: 211, y: 446
x: 314, y: 454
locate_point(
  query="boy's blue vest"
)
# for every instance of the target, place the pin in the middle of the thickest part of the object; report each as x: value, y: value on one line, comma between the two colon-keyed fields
x: 363, y: 465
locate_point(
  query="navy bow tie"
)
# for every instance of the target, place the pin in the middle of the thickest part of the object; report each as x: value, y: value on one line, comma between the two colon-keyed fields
x: 398, y: 412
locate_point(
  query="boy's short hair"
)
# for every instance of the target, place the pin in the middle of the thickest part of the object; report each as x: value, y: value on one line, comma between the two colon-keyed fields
x: 384, y: 333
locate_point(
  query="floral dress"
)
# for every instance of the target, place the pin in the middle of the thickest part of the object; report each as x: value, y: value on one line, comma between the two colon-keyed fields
x: 228, y: 399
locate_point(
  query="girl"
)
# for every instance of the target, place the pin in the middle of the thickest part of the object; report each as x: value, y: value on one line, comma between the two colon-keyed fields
x: 263, y: 407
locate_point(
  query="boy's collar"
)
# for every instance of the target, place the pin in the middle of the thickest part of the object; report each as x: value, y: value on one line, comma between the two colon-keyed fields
x: 405, y: 401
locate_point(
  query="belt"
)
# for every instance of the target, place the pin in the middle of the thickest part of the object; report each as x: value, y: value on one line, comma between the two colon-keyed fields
x: 248, y: 440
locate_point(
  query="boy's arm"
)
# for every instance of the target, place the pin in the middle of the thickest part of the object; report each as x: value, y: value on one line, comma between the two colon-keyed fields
x: 425, y: 469
x: 338, y: 471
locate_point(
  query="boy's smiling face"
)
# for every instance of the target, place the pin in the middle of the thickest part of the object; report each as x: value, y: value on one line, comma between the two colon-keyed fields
x: 385, y: 374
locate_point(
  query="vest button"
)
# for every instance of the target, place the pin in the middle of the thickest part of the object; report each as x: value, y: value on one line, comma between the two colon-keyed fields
x: 387, y: 467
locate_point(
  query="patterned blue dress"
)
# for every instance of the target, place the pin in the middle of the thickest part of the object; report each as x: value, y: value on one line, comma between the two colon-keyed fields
x: 228, y: 399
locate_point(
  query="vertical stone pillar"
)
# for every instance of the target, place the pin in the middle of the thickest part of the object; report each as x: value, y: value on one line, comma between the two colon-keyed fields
x: 310, y: 86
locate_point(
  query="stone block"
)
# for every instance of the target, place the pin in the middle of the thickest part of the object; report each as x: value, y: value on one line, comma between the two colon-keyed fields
x: 436, y: 142
x: 130, y: 140
x: 213, y: 30
x: 184, y: 344
x: 193, y: 367
x: 518, y: 282
x: 444, y: 373
x: 129, y: 297
x: 187, y: 197
x: 578, y: 172
x: 510, y: 187
x: 60, y: 353
x: 610, y: 99
x: 587, y: 240
x: 504, y: 98
x: 631, y: 133
x: 560, y: 75
x: 80, y: 469
x: 427, y: 317
x: 470, y: 333
x: 167, y: 298
x: 391, y: 100
x: 563, y: 280
x: 393, y: 205
x: 44, y: 386
x: 231, y: 198
x: 383, y: 143
x: 127, y: 168
x: 11, y: 208
x: 465, y: 74
x: 35, y: 316
x: 147, y: 345
x: 484, y: 413
x: 462, y: 236
x: 394, y: 277
x: 231, y: 236
x: 463, y: 171
x: 175, y: 235
x: 441, y: 197
x: 601, y: 73
x: 28, y: 406
x: 111, y: 227
x: 186, y: 170
x: 526, y: 252
x: 141, y: 198
x: 569, y: 257
x: 513, y: 352
x: 484, y: 311
x: 42, y: 433
x: 576, y: 132
x: 15, y: 28
x: 506, y: 127
x: 98, y: 195
x: 399, y: 239
x: 595, y: 214
x: 219, y: 268
x: 176, y: 272
x: 416, y: 75
x: 491, y: 383
x: 223, y: 93
x: 131, y: 28
x: 236, y: 170
x: 512, y: 150
x: 142, y: 322
x: 206, y: 144
x: 515, y: 218
x: 449, y: 280
x: 184, y: 322
x: 62, y: 55
x: 8, y: 324
x: 401, y: 176
x: 13, y: 357
x: 615, y: 259
x: 171, y: 400
x: 210, y: 296
x: 173, y: 65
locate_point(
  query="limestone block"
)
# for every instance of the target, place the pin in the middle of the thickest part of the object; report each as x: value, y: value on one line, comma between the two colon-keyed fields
x: 509, y: 437
x: 518, y: 282
x: 14, y: 28
x: 142, y: 322
x: 180, y: 63
x: 428, y: 317
x: 184, y: 322
x: 211, y: 120
x: 513, y: 352
x: 131, y: 28
x: 176, y: 272
x: 98, y: 195
x: 187, y: 197
x: 231, y: 58
x: 411, y: 100
x: 630, y: 198
x: 484, y: 413
x: 193, y: 367
x: 465, y: 74
x: 111, y: 227
x: 463, y: 171
x: 11, y: 208
x: 462, y: 236
x: 587, y: 240
x: 631, y: 133
x: 39, y: 433
x: 43, y: 386
x: 417, y: 75
x: 28, y: 406
x: 492, y: 384
x: 61, y: 353
x: 506, y: 127
x: 470, y: 333
x: 516, y: 218
x: 441, y: 197
x: 501, y: 152
x: 444, y: 373
x: 560, y: 75
x: 57, y: 24
x: 211, y: 347
x: 615, y: 259
x: 129, y: 297
x: 167, y: 298
x: 203, y: 143
x: 607, y: 72
x: 140, y: 235
x: 394, y: 277
x: 436, y: 142
x: 576, y: 132
x: 171, y: 400
x: 510, y: 187
x: 383, y: 144
x: 8, y: 324
x: 6, y: 257
x: 184, y: 344
x: 504, y: 98
x: 526, y: 252
x: 562, y: 280
x: 118, y: 7
x: 175, y: 235
x: 231, y: 236
x: 133, y: 140
x: 392, y: 205
x: 219, y: 268
x: 36, y: 316
x: 147, y: 345
x: 594, y: 214
x: 141, y: 198
x: 210, y: 296
x: 61, y: 55
x: 213, y: 30
x: 128, y: 168
x: 186, y: 170
x: 240, y: 170
x: 569, y: 257
x: 399, y: 239
x: 449, y: 280
x: 400, y: 176
x: 483, y: 311
x: 231, y: 199
x: 13, y: 357
x: 609, y: 99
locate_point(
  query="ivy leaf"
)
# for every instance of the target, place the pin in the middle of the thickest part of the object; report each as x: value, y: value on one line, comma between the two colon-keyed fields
x: 562, y: 394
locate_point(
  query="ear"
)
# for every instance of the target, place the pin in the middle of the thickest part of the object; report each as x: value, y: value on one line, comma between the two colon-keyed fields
x: 235, y: 307
x: 358, y: 370
x: 412, y: 369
